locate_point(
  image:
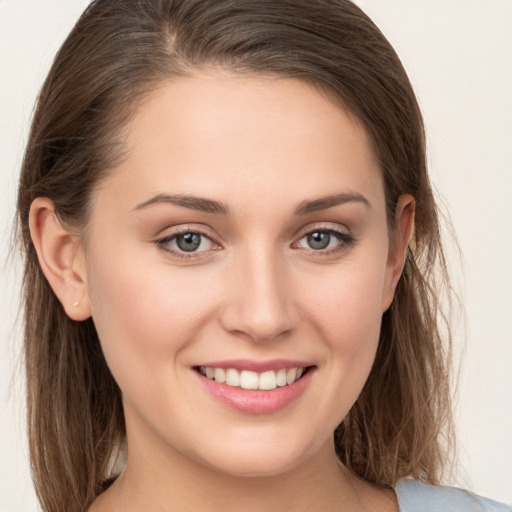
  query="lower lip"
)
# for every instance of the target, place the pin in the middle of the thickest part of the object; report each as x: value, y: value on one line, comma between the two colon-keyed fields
x: 257, y: 401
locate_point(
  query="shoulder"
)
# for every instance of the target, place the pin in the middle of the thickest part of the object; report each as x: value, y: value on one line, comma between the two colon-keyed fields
x: 414, y: 496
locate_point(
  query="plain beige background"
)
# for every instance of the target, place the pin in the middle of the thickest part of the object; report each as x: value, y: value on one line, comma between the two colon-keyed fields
x: 459, y: 56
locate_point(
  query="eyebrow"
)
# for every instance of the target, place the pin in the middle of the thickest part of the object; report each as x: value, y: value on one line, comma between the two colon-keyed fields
x: 186, y: 201
x: 210, y: 206
x: 323, y: 203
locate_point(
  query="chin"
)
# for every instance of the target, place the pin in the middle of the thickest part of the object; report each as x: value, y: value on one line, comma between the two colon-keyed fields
x: 250, y: 468
x: 257, y: 460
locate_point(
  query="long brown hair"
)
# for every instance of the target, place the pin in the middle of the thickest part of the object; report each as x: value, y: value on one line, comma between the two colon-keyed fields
x: 118, y: 51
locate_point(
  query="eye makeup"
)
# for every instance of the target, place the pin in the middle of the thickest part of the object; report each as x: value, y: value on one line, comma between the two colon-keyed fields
x: 325, y: 241
x: 188, y: 242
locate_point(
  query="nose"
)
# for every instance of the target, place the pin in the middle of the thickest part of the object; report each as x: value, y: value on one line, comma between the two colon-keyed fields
x: 259, y: 301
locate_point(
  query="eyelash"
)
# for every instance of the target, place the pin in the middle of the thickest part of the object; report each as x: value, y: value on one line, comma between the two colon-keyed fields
x: 163, y: 243
x: 346, y: 241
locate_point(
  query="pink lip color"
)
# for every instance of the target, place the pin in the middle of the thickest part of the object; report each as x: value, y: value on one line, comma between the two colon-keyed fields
x: 256, y: 366
x: 257, y: 401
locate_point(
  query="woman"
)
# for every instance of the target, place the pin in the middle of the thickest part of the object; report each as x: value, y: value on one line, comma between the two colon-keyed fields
x: 217, y: 205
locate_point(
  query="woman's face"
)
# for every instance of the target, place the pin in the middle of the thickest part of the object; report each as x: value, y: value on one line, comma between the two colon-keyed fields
x: 244, y: 237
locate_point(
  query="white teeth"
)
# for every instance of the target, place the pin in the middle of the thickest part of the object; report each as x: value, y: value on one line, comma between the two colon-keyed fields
x: 291, y: 375
x: 232, y: 378
x: 281, y: 377
x: 247, y: 379
x: 267, y: 380
x: 220, y: 375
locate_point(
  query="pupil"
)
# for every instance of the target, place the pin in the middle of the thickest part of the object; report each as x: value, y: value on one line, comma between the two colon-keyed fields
x: 319, y: 240
x: 188, y: 242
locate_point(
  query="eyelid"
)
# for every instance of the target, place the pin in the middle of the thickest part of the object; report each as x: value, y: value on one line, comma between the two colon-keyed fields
x: 162, y: 241
x: 323, y: 226
x: 180, y: 228
x: 344, y: 235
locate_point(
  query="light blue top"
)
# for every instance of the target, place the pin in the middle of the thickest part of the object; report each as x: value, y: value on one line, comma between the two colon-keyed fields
x: 414, y: 496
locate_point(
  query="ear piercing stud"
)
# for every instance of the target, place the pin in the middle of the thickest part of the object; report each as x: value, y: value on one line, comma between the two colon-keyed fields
x: 76, y: 303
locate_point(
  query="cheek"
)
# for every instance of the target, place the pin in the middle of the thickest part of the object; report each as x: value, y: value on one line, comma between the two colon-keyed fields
x: 145, y: 313
x: 346, y: 308
x: 348, y: 301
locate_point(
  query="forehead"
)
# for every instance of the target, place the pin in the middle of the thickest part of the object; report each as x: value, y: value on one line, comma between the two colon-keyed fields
x: 216, y: 132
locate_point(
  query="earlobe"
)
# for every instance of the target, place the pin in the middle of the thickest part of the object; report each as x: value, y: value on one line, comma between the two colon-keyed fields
x: 60, y: 257
x: 402, y: 235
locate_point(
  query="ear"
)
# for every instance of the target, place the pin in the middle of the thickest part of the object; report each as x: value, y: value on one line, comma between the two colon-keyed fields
x: 61, y: 258
x: 402, y: 233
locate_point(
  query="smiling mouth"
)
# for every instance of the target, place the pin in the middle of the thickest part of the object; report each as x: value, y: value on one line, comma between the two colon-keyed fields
x: 250, y: 380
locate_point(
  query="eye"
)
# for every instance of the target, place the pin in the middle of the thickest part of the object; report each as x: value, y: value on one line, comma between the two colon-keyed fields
x: 191, y: 242
x: 186, y: 242
x: 326, y: 240
x: 318, y: 240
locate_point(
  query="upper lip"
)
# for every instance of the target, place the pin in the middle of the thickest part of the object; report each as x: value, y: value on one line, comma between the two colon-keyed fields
x: 256, y: 366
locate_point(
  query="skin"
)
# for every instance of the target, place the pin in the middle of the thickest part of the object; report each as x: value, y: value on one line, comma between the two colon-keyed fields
x: 255, y: 290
